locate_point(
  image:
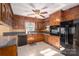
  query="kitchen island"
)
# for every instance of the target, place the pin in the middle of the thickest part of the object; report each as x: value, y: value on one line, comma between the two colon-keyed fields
x: 8, y: 45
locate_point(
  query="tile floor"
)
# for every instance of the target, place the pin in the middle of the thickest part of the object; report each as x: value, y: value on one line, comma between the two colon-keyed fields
x: 36, y: 49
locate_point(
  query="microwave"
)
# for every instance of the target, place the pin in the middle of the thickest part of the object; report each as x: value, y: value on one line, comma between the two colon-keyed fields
x: 55, y: 30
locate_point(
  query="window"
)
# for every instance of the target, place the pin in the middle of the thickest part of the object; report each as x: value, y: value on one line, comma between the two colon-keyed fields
x: 30, y: 26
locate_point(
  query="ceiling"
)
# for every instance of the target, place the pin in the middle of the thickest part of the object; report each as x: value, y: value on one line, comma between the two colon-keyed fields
x: 39, y: 10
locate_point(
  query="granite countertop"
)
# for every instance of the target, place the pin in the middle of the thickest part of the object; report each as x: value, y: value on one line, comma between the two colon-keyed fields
x: 13, y: 33
x: 41, y: 32
x: 7, y: 41
x: 24, y: 33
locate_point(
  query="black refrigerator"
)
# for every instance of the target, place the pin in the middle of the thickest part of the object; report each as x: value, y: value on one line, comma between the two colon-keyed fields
x: 66, y: 33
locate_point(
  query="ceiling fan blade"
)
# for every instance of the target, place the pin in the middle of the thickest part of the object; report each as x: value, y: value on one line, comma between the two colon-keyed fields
x: 45, y: 7
x: 43, y: 12
x: 42, y: 16
x: 32, y: 5
x: 33, y: 10
x: 27, y: 11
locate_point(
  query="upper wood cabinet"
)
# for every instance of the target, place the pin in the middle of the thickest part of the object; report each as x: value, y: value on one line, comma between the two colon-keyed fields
x: 0, y: 11
x: 71, y: 14
x: 6, y: 13
x: 40, y: 25
x: 55, y: 18
x: 19, y: 22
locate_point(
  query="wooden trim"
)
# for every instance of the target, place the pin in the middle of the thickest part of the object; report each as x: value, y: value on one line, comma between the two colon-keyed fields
x: 26, y: 17
x: 1, y: 11
x: 10, y: 8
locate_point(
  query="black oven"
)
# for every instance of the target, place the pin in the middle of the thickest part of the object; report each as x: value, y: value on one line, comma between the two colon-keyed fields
x: 55, y: 30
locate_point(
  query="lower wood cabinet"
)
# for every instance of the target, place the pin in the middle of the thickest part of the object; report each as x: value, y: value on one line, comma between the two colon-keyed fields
x: 46, y: 38
x: 53, y: 40
x: 8, y: 51
x: 32, y: 38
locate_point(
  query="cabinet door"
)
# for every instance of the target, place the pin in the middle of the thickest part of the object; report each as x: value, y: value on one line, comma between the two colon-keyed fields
x: 3, y: 12
x: 54, y: 40
x: 8, y: 51
x: 40, y: 26
x: 30, y: 38
x: 0, y: 11
x: 49, y: 40
x: 35, y: 38
x: 46, y: 38
x: 6, y: 13
x: 39, y: 37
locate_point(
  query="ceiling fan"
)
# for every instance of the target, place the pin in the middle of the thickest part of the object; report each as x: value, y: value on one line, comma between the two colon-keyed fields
x: 38, y: 11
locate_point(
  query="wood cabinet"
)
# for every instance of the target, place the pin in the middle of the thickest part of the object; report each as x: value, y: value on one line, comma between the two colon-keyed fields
x: 0, y: 11
x: 19, y: 22
x: 55, y: 18
x: 46, y: 37
x: 6, y: 13
x: 8, y: 51
x: 40, y: 25
x: 31, y: 38
x: 54, y: 40
x: 71, y: 14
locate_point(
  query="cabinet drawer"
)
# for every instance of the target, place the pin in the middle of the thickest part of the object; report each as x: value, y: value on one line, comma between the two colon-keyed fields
x: 35, y: 38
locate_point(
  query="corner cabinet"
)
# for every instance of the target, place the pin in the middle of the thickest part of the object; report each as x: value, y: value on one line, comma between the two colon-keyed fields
x: 6, y: 14
x: 32, y: 38
x: 53, y: 40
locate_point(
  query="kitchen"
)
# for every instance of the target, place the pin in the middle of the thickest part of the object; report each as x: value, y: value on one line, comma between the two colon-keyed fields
x: 23, y: 26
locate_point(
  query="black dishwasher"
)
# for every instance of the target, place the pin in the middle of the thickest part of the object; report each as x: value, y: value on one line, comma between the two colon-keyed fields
x: 22, y: 40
